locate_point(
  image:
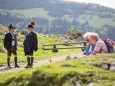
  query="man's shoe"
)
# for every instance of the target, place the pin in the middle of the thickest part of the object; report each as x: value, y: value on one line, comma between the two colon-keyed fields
x: 28, y: 62
x: 8, y: 63
x: 27, y: 66
x: 9, y: 66
x: 16, y: 66
x: 15, y: 61
x: 30, y: 66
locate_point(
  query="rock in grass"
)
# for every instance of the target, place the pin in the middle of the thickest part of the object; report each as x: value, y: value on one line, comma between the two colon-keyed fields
x: 91, y: 84
x: 66, y: 65
x: 75, y: 57
x: 112, y: 67
x: 68, y: 58
x: 105, y: 66
x: 77, y: 83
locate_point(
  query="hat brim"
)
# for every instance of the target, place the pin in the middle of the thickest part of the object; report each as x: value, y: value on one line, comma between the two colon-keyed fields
x: 12, y: 28
x: 30, y: 27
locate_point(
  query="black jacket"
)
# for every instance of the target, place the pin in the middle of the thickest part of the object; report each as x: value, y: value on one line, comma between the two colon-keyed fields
x: 8, y: 41
x: 31, y: 42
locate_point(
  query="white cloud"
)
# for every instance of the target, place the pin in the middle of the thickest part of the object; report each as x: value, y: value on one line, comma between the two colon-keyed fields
x: 107, y: 3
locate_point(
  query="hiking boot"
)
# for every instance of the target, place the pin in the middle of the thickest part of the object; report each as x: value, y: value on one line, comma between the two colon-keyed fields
x: 28, y: 62
x: 16, y: 65
x: 8, y: 62
x: 9, y: 66
x: 31, y: 64
x: 27, y: 66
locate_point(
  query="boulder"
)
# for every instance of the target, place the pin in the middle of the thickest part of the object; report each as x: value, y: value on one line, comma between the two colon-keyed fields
x: 112, y: 67
x: 68, y: 58
x: 66, y: 65
x: 77, y: 83
x: 75, y: 57
x: 105, y: 66
x: 91, y: 84
x: 108, y: 66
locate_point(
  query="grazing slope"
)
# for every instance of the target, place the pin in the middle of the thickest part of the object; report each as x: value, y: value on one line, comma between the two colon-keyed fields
x: 57, y: 16
x: 40, y: 54
x: 82, y: 71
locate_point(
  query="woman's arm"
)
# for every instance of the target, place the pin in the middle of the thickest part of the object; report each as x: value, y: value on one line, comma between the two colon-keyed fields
x: 94, y: 52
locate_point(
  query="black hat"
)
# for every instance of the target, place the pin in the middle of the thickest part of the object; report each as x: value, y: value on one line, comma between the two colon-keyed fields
x: 30, y: 26
x: 33, y: 23
x: 11, y: 26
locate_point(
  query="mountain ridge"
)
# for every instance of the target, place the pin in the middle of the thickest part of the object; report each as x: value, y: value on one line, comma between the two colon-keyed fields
x: 58, y: 16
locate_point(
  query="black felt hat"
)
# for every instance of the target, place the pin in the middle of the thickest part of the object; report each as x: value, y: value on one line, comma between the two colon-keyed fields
x: 30, y: 26
x: 33, y: 23
x: 11, y: 26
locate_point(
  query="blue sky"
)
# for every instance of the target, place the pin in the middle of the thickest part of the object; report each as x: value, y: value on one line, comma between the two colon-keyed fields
x: 107, y: 3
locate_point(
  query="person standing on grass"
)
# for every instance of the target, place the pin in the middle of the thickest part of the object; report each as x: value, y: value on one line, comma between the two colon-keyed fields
x: 30, y: 45
x: 10, y: 44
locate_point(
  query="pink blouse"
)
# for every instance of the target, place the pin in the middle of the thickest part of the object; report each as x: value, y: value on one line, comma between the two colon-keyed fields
x: 101, y: 47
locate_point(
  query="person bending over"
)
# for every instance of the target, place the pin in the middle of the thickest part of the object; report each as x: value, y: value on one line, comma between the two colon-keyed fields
x: 100, y: 46
x: 89, y: 47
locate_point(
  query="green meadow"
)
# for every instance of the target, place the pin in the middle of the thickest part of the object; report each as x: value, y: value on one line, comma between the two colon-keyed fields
x: 40, y: 54
x: 65, y: 73
x: 84, y: 70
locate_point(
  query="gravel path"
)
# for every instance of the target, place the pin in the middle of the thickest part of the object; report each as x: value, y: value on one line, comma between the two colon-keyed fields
x: 3, y: 68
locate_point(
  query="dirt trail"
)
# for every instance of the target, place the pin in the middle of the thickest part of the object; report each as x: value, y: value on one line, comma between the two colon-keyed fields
x: 4, y: 68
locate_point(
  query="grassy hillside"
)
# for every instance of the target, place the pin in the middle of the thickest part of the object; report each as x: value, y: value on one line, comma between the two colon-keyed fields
x: 40, y: 54
x: 29, y: 13
x: 58, y: 16
x: 67, y: 73
x: 93, y: 20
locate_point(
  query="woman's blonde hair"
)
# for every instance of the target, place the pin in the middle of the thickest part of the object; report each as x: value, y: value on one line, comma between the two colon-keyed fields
x: 93, y: 36
x: 85, y: 36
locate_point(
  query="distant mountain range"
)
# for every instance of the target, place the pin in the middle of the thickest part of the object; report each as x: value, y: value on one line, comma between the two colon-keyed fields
x: 58, y: 16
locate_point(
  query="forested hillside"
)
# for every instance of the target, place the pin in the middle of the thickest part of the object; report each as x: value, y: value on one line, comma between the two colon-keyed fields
x: 58, y: 16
